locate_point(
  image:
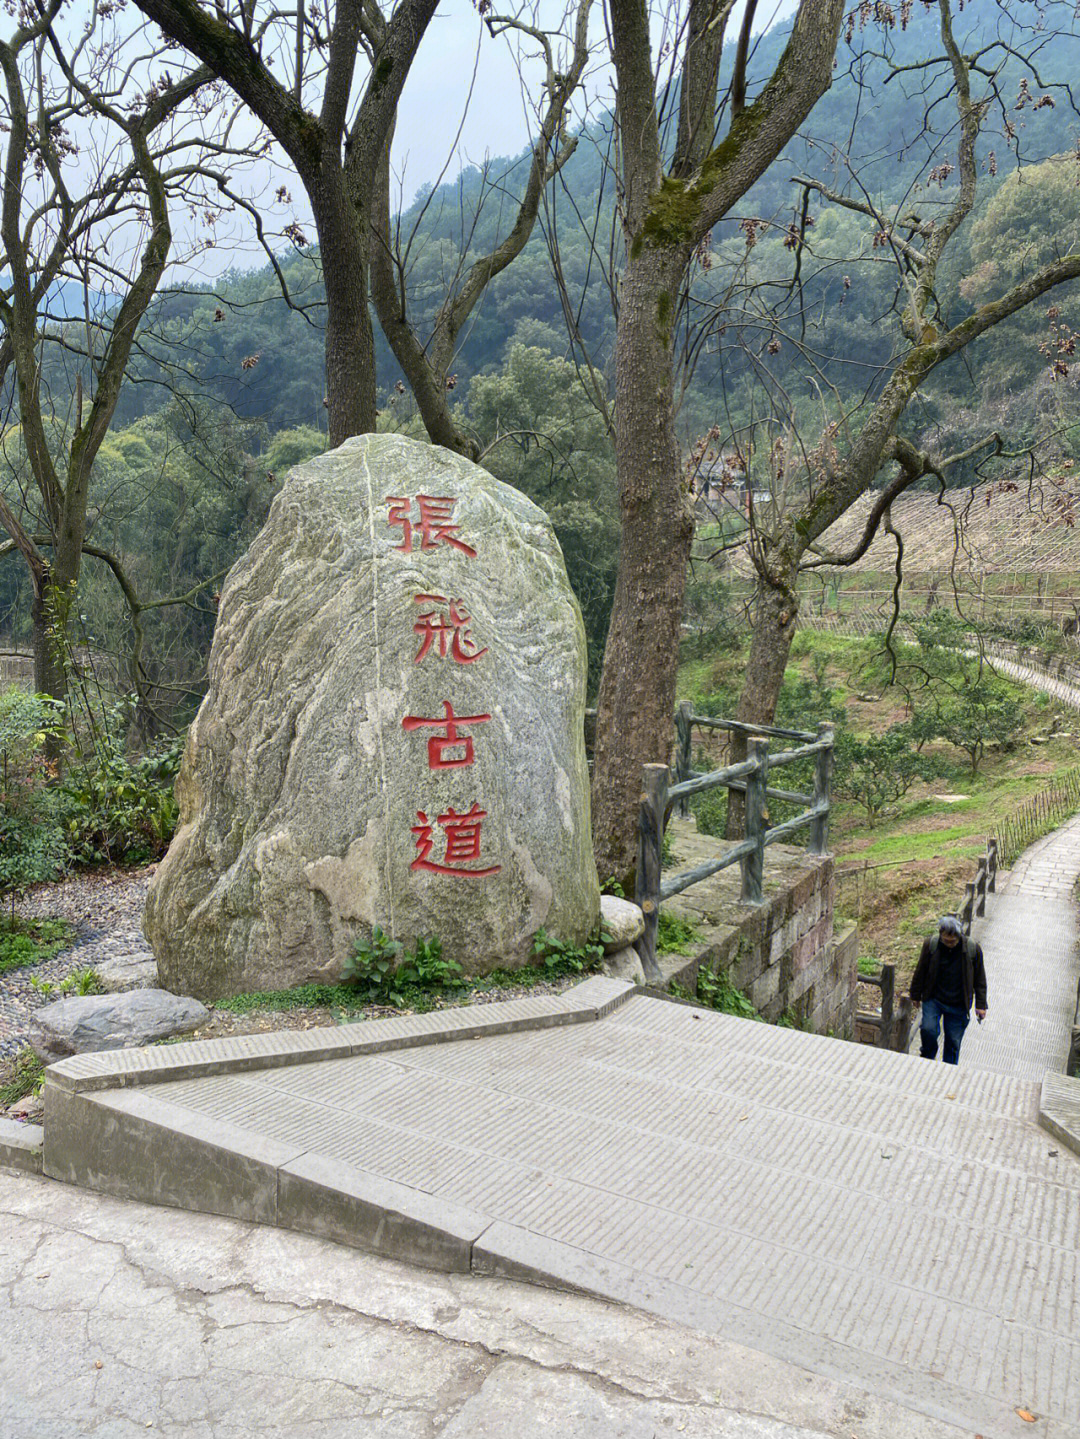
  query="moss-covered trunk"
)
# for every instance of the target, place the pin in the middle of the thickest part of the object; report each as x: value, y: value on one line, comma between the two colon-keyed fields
x: 637, y: 687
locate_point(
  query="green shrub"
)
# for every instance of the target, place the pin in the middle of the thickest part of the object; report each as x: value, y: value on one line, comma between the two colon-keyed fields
x: 373, y: 965
x: 879, y: 770
x: 32, y: 843
x: 561, y: 958
x: 716, y: 991
x: 119, y: 810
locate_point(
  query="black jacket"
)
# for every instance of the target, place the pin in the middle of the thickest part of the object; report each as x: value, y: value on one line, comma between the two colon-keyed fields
x: 924, y: 980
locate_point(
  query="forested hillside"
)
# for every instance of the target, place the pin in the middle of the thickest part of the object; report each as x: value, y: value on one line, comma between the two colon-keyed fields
x: 793, y: 298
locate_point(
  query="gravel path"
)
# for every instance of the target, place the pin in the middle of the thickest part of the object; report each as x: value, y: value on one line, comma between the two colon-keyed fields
x: 106, y: 907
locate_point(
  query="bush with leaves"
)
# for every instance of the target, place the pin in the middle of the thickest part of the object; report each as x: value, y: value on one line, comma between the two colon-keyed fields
x: 879, y: 770
x: 121, y: 810
x: 982, y: 714
x: 384, y: 971
x: 32, y: 843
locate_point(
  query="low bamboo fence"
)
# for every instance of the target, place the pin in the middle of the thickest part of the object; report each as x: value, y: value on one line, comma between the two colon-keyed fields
x: 1038, y: 815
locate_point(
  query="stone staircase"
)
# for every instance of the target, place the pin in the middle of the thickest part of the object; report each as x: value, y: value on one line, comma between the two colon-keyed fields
x: 910, y: 1227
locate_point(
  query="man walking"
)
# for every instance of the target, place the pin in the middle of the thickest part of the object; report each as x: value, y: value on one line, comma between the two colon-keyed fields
x: 949, y: 975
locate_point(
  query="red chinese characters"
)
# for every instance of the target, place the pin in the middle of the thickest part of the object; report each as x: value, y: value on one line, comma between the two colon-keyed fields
x: 462, y: 835
x: 440, y: 746
x: 445, y: 627
x: 449, y: 630
x: 434, y: 523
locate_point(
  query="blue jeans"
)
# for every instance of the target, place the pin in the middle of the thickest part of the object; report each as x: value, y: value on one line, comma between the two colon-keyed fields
x: 955, y: 1020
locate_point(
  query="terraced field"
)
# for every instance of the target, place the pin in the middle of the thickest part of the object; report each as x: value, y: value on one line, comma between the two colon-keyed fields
x: 1008, y: 539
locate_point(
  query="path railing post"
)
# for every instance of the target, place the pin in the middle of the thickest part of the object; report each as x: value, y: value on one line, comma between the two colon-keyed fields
x: 654, y: 789
x: 753, y: 864
x: 888, y: 995
x: 819, y: 828
x: 991, y: 865
x: 682, y: 750
x: 967, y: 914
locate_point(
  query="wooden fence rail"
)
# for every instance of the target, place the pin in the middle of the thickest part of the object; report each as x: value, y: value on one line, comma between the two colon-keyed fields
x: 750, y: 778
x: 984, y: 883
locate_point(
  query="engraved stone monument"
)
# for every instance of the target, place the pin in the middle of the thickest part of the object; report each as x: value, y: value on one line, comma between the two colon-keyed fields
x: 392, y: 733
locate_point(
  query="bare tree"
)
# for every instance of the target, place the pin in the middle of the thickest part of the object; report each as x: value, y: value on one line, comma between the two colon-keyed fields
x: 100, y: 141
x: 325, y: 82
x: 858, y: 445
x: 427, y: 363
x: 667, y: 206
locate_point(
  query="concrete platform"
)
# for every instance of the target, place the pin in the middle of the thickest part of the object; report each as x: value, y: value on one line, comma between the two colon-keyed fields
x: 902, y: 1226
x: 130, y: 1321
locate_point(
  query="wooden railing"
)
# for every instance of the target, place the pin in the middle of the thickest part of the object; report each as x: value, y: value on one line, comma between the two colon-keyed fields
x: 750, y: 778
x: 893, y: 1024
x: 984, y: 883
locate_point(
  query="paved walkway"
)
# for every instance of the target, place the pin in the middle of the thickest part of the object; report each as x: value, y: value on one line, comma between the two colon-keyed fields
x: 1031, y: 942
x: 123, y: 1320
x: 903, y: 1226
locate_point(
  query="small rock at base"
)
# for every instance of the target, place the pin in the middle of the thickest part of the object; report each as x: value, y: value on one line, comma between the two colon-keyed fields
x: 92, y: 1022
x: 622, y: 920
x: 624, y: 964
x: 127, y: 971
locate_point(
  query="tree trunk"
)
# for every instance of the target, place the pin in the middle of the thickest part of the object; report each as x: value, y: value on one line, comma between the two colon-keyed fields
x: 776, y: 607
x: 637, y: 686
x: 49, y: 677
x: 350, y: 343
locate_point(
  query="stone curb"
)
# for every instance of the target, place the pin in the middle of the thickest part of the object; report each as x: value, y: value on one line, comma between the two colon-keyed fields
x: 21, y: 1146
x: 1059, y: 1109
x: 590, y: 1000
x: 104, y: 1130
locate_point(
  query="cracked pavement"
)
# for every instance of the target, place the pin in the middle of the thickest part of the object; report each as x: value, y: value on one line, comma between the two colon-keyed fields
x: 122, y: 1319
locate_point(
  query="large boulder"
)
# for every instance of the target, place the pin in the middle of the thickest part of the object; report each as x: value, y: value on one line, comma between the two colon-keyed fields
x: 392, y: 733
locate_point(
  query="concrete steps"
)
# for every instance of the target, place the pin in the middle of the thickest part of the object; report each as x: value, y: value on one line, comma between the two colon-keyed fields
x: 905, y: 1225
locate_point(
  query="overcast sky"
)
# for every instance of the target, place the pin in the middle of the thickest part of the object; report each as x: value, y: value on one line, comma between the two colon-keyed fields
x: 497, y: 121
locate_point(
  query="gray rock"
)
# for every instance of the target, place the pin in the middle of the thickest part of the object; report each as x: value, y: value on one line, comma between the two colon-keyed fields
x: 127, y: 971
x: 622, y: 919
x: 111, y: 1021
x: 392, y: 733
x: 624, y: 964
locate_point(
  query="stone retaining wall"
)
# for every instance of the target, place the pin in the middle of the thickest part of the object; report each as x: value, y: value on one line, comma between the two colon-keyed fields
x: 785, y: 955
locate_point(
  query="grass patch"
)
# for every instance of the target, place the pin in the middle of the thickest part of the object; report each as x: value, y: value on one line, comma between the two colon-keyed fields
x: 27, y: 1077
x: 922, y: 849
x: 346, y: 999
x: 675, y: 934
x: 31, y: 941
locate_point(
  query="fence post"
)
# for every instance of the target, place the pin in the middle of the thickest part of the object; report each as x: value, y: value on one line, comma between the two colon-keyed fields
x: 991, y: 865
x: 753, y: 864
x: 968, y: 912
x: 682, y: 755
x: 654, y: 788
x: 819, y: 828
x: 980, y: 888
x: 888, y: 993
